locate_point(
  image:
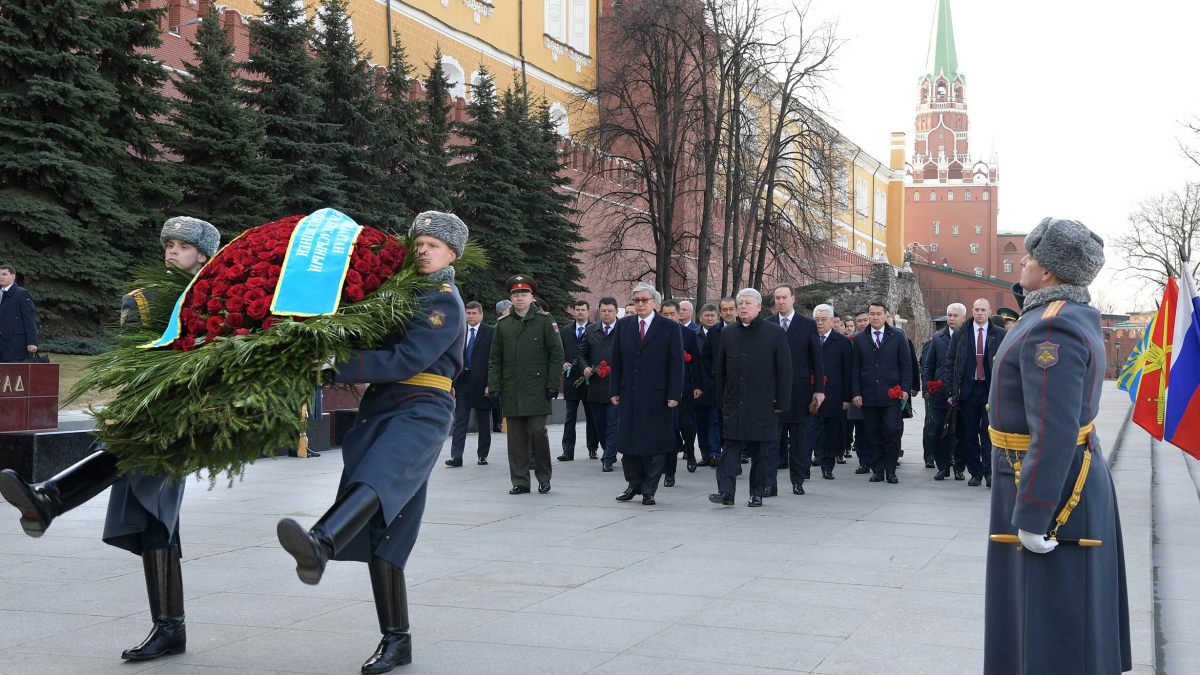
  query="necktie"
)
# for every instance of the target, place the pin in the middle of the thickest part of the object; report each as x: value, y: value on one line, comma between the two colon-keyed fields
x: 823, y: 339
x: 578, y: 332
x: 785, y: 323
x: 878, y: 339
x: 606, y: 330
x: 979, y: 354
x: 470, y: 347
x: 643, y: 322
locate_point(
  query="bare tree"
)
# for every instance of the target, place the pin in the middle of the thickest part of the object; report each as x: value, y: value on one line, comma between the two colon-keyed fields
x: 1162, y: 229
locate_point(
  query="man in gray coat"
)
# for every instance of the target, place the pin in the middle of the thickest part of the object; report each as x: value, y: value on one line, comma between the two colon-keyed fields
x: 143, y: 511
x: 1053, y: 606
x: 753, y: 384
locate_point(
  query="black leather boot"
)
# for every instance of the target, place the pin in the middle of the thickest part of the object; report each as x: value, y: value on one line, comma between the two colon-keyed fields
x: 164, y: 585
x: 313, y: 548
x: 391, y: 603
x: 41, y: 503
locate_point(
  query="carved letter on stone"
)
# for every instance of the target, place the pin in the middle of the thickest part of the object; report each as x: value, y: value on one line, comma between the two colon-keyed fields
x: 20, y: 385
x: 7, y: 384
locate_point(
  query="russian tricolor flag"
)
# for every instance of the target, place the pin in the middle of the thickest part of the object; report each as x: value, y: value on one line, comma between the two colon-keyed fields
x: 1181, y: 427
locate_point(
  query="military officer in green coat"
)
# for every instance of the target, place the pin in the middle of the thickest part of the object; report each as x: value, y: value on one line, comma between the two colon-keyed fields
x: 524, y: 369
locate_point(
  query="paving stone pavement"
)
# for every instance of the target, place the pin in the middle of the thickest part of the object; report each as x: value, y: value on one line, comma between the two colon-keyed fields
x: 851, y: 578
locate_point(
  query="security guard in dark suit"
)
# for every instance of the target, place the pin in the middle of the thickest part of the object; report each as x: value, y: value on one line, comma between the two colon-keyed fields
x: 969, y: 362
x: 593, y: 361
x: 936, y: 388
x: 402, y: 423
x: 573, y: 396
x: 469, y: 388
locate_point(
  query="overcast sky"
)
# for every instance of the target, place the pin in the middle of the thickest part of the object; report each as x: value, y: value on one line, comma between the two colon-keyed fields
x: 1084, y: 100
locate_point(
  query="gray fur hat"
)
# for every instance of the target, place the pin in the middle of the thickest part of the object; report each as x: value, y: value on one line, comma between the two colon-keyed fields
x: 445, y: 226
x: 193, y: 231
x: 1068, y: 249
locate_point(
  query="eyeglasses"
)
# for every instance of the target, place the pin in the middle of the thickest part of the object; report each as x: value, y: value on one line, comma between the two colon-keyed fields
x: 642, y: 299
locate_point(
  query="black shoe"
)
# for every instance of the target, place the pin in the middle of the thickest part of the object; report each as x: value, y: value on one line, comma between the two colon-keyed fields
x: 988, y: 478
x: 543, y: 487
x: 567, y: 457
x: 930, y: 465
x: 975, y: 481
x: 807, y: 473
x: 841, y: 460
x: 827, y: 474
x: 454, y: 462
x: 669, y: 481
x: 739, y: 470
x: 958, y: 475
x: 712, y: 461
x: 391, y: 604
x: 891, y: 478
x: 648, y: 500
x: 797, y: 489
x: 691, y: 467
x: 591, y: 454
x: 532, y: 467
x: 519, y: 490
x: 783, y: 464
x: 482, y: 461
x: 164, y: 585
x: 876, y: 478
x: 628, y: 494
x: 942, y: 474
x: 311, y: 453
x: 862, y: 469
x: 772, y: 492
x: 496, y: 428
x: 313, y: 548
x: 607, y: 467
x: 745, y: 459
x: 755, y: 501
x: 41, y: 503
x: 722, y: 498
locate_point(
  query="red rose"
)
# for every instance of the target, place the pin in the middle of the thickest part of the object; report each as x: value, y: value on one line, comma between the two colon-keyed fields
x: 237, y: 289
x: 274, y: 270
x: 184, y: 344
x: 370, y: 283
x: 354, y: 293
x: 242, y: 331
x: 196, y: 326
x: 199, y: 299
x: 259, y: 308
x: 221, y: 288
x: 255, y: 282
x: 255, y: 294
x: 271, y: 243
x: 236, y: 272
x: 267, y: 256
x: 269, y: 321
x: 202, y: 285
x: 214, y: 306
x: 235, y: 304
x: 235, y: 320
x: 261, y: 269
x: 214, y: 325
x: 363, y: 265
x: 353, y: 277
x: 281, y: 251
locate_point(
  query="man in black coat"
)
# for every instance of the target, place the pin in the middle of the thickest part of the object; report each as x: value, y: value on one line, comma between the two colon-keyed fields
x: 646, y: 384
x: 882, y: 366
x: 685, y: 425
x: 594, y: 360
x: 969, y: 364
x: 469, y: 388
x: 825, y: 428
x: 936, y: 388
x: 808, y: 390
x: 572, y: 335
x: 753, y: 382
x: 18, y: 324
x: 708, y: 430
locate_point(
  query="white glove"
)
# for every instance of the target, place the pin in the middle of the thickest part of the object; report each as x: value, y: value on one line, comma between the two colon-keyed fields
x: 1038, y: 543
x: 327, y: 364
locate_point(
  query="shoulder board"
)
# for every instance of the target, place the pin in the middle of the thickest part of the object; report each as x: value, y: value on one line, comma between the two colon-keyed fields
x: 543, y: 313
x: 135, y: 293
x: 447, y: 288
x: 1053, y: 309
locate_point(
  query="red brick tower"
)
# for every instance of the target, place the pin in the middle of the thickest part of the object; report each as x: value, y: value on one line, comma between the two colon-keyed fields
x: 950, y: 199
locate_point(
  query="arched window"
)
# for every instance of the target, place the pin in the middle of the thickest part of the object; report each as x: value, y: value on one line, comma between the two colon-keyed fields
x: 978, y: 229
x: 986, y: 196
x: 455, y: 75
x: 978, y: 271
x: 1010, y: 247
x: 937, y: 228
x: 968, y: 195
x: 932, y: 196
x: 954, y: 230
x: 974, y: 249
x: 941, y: 91
x: 916, y: 196
x: 933, y: 248
x: 558, y: 117
x: 949, y: 195
x: 1008, y: 267
x: 861, y: 247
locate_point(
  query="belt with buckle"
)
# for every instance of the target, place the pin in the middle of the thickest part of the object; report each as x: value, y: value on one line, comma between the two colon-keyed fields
x: 1020, y: 442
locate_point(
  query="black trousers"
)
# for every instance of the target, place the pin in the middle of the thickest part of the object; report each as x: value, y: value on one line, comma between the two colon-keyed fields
x: 882, y: 428
x: 929, y: 433
x: 643, y: 472
x: 685, y: 439
x: 855, y: 430
x: 731, y: 459
x: 943, y: 448
x: 462, y: 418
x: 825, y: 439
x: 974, y: 444
x: 790, y: 442
x: 568, y: 439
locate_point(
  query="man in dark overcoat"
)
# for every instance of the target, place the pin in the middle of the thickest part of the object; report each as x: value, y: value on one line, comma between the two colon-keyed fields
x: 1052, y: 607
x: 143, y: 510
x: 971, y: 355
x: 18, y: 322
x: 934, y: 370
x: 646, y: 383
x: 825, y: 428
x: 754, y: 384
x: 402, y: 423
x: 594, y: 360
x: 808, y: 389
x: 882, y: 365
x: 685, y: 423
x: 708, y: 433
x: 470, y: 386
x: 576, y: 397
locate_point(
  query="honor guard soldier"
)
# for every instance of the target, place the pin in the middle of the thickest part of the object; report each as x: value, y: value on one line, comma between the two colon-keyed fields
x: 524, y: 371
x: 1056, y: 600
x: 402, y: 423
x: 1009, y: 316
x: 143, y: 511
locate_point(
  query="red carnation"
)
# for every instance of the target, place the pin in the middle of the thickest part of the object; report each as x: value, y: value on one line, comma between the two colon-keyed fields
x: 603, y: 370
x: 895, y: 392
x: 354, y: 293
x: 255, y: 294
x: 214, y: 325
x: 687, y: 356
x: 235, y: 304
x: 235, y: 320
x: 214, y: 306
x: 259, y: 308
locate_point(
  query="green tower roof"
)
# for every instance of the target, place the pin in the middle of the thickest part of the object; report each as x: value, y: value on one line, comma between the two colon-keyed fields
x: 942, y: 59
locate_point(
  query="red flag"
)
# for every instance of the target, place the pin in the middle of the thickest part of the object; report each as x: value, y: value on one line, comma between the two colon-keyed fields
x: 1150, y: 410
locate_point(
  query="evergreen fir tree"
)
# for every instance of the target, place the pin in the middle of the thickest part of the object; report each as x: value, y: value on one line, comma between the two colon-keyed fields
x: 219, y: 141
x: 398, y: 148
x: 551, y: 236
x: 285, y: 91
x: 350, y: 107
x: 142, y: 177
x: 435, y: 135
x: 58, y: 210
x: 488, y: 197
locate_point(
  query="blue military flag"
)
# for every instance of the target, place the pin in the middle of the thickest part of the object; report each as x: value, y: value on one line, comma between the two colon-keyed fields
x: 1131, y: 372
